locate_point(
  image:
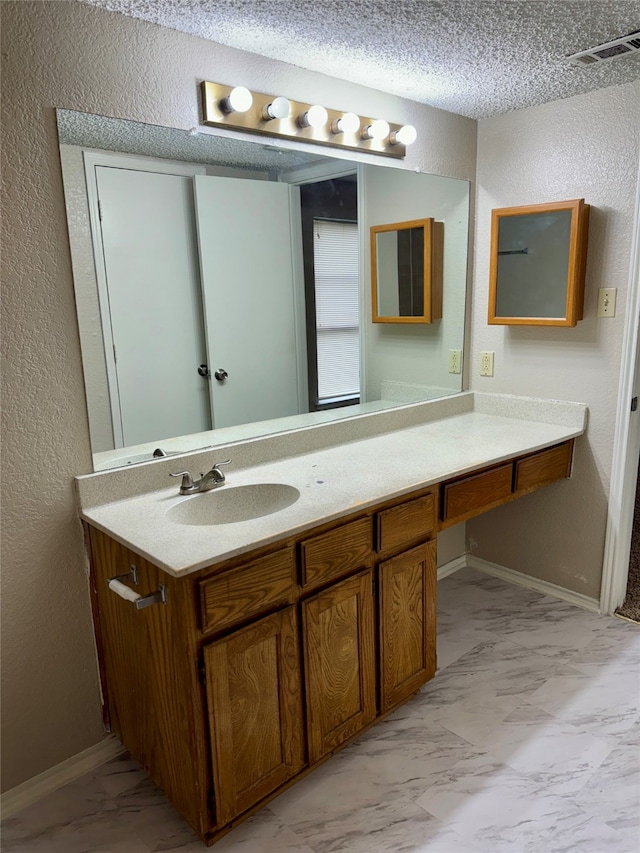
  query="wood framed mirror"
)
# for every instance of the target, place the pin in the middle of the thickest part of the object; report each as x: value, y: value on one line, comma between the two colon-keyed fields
x: 406, y: 271
x: 538, y: 259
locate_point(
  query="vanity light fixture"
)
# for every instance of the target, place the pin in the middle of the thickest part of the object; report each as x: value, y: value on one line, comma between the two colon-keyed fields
x: 236, y: 108
x: 378, y: 129
x: 239, y: 100
x: 316, y: 116
x: 405, y: 136
x: 278, y: 108
x: 348, y: 123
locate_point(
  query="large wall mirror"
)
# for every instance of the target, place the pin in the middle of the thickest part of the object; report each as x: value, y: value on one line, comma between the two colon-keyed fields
x: 222, y: 286
x: 538, y: 260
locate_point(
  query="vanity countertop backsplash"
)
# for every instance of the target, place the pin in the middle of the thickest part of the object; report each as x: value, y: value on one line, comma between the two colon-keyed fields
x: 337, y: 468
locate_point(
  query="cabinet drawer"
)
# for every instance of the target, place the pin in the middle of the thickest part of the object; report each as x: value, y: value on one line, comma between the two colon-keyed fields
x: 543, y: 468
x: 469, y: 496
x: 336, y: 552
x: 232, y: 596
x: 407, y: 522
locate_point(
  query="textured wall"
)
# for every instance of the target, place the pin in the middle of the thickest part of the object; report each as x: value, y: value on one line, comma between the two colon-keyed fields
x: 586, y: 146
x: 73, y: 56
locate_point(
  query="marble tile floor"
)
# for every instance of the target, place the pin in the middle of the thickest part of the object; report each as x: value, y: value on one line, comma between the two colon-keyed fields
x: 526, y: 741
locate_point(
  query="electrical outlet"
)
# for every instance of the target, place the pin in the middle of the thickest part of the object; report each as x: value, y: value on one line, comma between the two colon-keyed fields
x: 607, y: 302
x: 455, y: 361
x: 486, y: 363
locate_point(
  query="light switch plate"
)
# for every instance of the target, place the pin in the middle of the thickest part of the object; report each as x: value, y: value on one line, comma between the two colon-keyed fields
x: 607, y: 301
x: 455, y: 361
x: 486, y: 363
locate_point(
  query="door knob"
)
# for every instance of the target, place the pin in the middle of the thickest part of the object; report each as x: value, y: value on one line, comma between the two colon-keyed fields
x: 221, y: 374
x: 203, y: 370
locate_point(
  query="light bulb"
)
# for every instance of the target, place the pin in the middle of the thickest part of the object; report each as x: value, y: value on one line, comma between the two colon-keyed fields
x: 315, y: 116
x: 278, y: 108
x: 405, y: 136
x: 376, y: 130
x: 348, y: 123
x: 238, y: 100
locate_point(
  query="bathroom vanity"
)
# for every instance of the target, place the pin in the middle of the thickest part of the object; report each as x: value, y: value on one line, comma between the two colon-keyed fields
x: 272, y: 641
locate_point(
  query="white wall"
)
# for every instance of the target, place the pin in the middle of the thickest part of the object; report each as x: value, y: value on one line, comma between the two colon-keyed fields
x: 78, y: 57
x: 586, y: 146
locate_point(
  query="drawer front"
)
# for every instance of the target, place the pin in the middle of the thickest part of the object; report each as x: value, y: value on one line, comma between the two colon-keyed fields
x: 407, y: 522
x: 336, y: 552
x: 543, y: 468
x: 474, y: 494
x: 232, y: 596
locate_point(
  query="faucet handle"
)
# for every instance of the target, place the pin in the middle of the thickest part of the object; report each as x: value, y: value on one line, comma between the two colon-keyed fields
x: 187, y: 479
x: 216, y: 473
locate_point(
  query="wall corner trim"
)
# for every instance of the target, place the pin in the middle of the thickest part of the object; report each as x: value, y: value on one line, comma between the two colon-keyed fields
x: 50, y: 780
x: 452, y: 566
x: 621, y: 505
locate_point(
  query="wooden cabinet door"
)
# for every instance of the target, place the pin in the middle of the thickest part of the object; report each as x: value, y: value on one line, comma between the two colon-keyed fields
x: 407, y: 601
x: 254, y: 697
x: 340, y: 670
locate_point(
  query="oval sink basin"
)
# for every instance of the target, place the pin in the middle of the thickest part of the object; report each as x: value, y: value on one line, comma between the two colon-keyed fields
x: 230, y: 504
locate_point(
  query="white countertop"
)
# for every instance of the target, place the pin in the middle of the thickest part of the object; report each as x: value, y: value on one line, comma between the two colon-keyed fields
x: 333, y: 481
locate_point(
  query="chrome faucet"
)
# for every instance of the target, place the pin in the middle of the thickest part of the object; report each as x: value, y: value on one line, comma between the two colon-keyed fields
x: 211, y: 480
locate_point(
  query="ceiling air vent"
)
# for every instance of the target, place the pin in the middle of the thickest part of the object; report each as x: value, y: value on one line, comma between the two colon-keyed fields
x: 628, y: 45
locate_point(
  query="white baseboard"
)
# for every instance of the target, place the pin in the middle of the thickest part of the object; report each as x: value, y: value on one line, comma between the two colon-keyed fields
x: 452, y: 566
x: 546, y: 587
x: 39, y: 786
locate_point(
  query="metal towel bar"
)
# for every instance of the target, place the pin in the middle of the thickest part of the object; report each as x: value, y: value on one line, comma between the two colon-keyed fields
x: 140, y: 601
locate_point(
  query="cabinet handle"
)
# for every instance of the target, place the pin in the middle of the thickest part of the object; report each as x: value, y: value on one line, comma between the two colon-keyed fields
x: 140, y: 601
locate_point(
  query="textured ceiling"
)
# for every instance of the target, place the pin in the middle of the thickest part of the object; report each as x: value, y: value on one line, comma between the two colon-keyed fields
x: 473, y: 57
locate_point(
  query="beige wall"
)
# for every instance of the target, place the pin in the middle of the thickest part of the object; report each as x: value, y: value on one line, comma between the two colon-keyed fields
x: 76, y: 57
x: 588, y: 147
